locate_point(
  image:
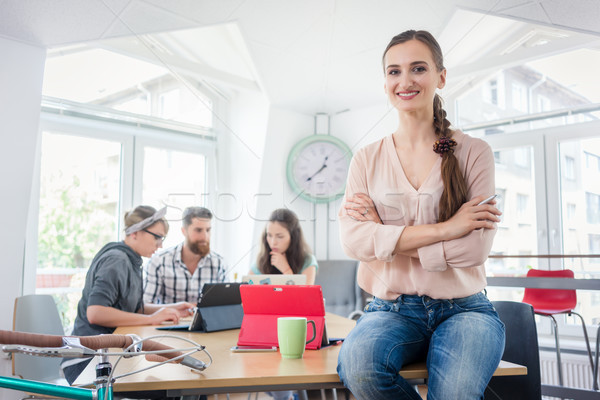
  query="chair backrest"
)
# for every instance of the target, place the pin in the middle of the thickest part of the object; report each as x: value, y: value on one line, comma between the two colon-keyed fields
x: 37, y: 313
x: 340, y: 290
x: 550, y: 299
x: 521, y: 348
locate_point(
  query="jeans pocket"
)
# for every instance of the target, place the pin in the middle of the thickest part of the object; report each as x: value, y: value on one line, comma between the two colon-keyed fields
x: 378, y: 305
x: 476, y: 302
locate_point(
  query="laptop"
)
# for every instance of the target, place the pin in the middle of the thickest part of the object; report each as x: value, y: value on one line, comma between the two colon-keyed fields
x: 275, y: 279
x: 219, y: 308
x: 263, y: 304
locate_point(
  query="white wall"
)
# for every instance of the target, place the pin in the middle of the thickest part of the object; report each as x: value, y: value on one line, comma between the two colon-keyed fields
x: 21, y: 74
x: 239, y: 162
x: 284, y: 129
x: 319, y: 222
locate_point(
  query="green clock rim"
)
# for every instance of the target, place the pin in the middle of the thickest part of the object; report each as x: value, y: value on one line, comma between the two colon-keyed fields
x: 299, y: 146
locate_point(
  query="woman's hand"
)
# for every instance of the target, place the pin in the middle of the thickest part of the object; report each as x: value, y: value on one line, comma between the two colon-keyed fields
x: 164, y: 314
x: 279, y: 261
x: 361, y: 208
x: 183, y: 308
x: 471, y: 216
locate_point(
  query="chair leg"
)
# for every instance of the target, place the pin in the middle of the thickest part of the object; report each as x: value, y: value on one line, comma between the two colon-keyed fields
x: 558, y: 360
x: 595, y: 375
x: 587, y: 339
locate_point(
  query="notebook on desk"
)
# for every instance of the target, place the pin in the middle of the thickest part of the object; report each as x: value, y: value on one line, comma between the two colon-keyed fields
x: 263, y: 304
x: 219, y: 308
x: 275, y: 279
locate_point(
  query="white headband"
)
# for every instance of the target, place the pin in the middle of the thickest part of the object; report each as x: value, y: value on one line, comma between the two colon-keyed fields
x: 147, y: 222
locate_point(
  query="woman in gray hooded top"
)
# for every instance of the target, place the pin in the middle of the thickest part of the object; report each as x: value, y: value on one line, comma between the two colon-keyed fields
x: 112, y: 295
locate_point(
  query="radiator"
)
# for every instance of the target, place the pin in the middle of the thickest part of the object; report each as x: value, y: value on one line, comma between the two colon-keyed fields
x: 576, y: 370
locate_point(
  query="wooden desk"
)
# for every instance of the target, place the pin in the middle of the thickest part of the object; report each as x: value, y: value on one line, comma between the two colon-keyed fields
x: 246, y: 372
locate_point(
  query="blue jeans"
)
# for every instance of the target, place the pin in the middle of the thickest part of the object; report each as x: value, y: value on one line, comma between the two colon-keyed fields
x: 461, y: 339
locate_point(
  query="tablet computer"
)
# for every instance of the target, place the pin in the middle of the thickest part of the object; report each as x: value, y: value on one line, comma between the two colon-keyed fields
x: 219, y: 308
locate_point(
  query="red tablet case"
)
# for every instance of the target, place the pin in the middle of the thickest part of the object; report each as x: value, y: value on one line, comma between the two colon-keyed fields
x: 263, y: 304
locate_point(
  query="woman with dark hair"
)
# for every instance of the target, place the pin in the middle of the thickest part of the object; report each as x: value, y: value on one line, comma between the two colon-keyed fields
x: 415, y: 216
x: 112, y: 295
x: 283, y: 249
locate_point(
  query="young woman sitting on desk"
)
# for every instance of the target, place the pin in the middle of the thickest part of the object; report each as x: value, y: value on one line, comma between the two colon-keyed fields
x: 283, y: 249
x: 112, y: 295
x: 413, y: 217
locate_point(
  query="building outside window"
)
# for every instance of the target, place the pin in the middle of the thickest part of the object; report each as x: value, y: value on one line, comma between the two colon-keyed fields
x: 569, y: 168
x: 519, y: 97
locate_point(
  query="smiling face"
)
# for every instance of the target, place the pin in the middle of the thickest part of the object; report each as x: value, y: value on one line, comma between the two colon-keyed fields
x: 278, y: 237
x: 411, y: 76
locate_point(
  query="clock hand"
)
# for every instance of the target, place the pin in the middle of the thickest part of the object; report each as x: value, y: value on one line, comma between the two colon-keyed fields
x: 320, y: 169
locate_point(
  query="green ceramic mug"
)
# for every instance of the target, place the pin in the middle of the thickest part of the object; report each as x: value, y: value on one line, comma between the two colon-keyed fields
x: 291, y: 335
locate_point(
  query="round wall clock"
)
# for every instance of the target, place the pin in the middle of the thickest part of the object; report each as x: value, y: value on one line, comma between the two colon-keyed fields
x: 317, y: 168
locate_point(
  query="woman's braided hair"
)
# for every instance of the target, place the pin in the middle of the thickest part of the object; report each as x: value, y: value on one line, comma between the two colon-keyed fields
x: 455, y: 186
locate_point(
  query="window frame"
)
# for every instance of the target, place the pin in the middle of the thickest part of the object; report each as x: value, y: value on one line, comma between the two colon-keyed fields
x: 132, y: 140
x: 545, y: 142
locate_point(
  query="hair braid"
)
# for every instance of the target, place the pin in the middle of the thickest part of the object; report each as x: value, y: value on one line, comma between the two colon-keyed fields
x: 455, y: 187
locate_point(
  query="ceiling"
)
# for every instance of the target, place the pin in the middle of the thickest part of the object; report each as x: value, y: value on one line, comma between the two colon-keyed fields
x: 309, y: 56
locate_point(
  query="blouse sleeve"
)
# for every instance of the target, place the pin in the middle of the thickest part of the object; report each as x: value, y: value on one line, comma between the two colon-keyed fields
x: 472, y: 249
x: 254, y: 269
x: 365, y: 240
x: 309, y: 261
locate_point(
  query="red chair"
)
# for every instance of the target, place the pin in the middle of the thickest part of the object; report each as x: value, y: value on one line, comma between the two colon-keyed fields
x: 549, y: 302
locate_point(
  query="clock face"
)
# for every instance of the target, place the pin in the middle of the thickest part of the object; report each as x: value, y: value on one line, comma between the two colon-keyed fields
x: 318, y: 167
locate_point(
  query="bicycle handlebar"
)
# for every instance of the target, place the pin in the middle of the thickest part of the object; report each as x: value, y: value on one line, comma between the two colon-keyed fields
x: 100, y: 342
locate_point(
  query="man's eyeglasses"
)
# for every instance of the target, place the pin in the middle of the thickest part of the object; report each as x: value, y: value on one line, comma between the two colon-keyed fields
x: 157, y: 237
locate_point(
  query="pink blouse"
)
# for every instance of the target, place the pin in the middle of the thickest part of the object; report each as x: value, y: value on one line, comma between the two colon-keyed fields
x: 444, y: 270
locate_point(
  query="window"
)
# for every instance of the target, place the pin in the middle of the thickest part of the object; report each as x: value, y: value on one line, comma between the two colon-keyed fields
x: 522, y: 205
x: 497, y: 158
x: 491, y: 92
x: 515, y: 187
x: 571, y: 208
x: 594, y: 243
x: 85, y: 191
x: 79, y: 190
x: 88, y: 76
x: 176, y: 178
x: 519, y: 97
x: 543, y: 103
x: 569, y: 168
x: 592, y: 162
x: 522, y: 157
x: 593, y: 208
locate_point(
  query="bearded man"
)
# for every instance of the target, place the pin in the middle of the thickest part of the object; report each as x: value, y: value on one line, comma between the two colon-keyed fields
x: 178, y: 273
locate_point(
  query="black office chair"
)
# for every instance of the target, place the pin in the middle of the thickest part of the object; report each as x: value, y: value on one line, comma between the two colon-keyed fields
x: 521, y: 348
